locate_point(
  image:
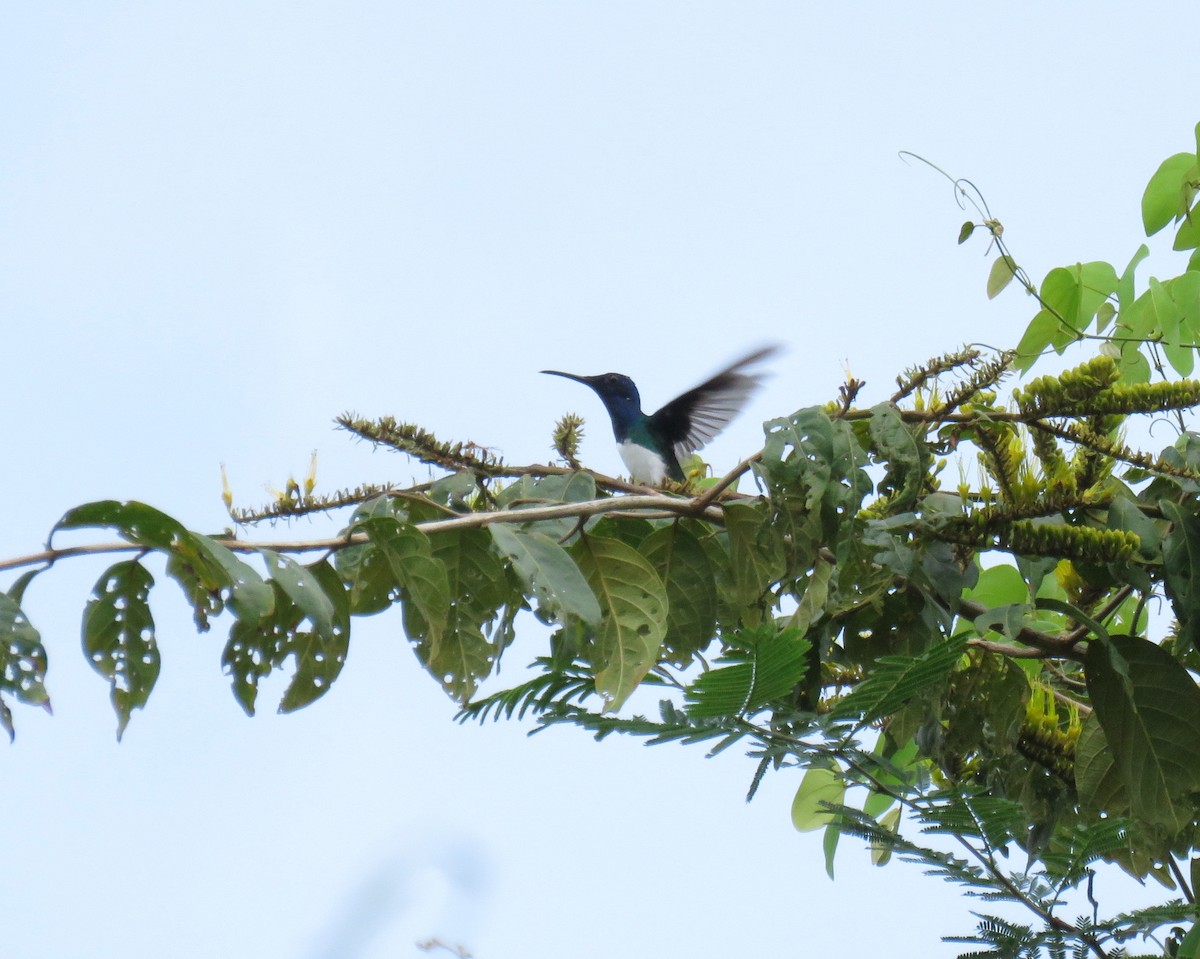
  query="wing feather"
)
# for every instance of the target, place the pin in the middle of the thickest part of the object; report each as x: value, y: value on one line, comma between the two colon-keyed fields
x: 692, y: 419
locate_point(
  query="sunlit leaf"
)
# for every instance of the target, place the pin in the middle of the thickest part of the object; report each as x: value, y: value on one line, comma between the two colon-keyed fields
x: 1004, y: 268
x: 820, y: 786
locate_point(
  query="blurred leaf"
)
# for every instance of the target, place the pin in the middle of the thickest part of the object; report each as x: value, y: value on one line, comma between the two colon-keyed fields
x: 1099, y: 782
x: 530, y: 493
x: 118, y: 637
x: 881, y: 852
x: 633, y: 624
x: 965, y: 232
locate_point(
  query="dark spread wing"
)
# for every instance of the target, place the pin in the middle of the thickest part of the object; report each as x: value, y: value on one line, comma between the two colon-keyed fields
x: 691, y: 420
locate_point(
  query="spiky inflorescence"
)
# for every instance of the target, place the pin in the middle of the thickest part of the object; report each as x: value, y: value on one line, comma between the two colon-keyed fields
x: 424, y: 446
x: 568, y: 431
x: 917, y: 377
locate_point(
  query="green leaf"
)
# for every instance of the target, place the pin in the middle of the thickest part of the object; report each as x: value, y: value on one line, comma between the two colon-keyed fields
x: 1181, y: 566
x: 302, y: 589
x: 249, y: 596
x: 896, y: 680
x: 549, y: 573
x: 678, y: 557
x: 1124, y: 514
x: 815, y: 596
x: 881, y: 852
x: 1097, y: 779
x: 1038, y: 335
x: 424, y: 588
x: 118, y: 637
x: 1163, y: 199
x: 319, y: 652
x: 756, y: 554
x: 1004, y: 268
x: 135, y: 521
x: 633, y: 624
x: 1189, y: 946
x: 1152, y: 724
x: 964, y: 234
x: 22, y: 660
x: 477, y: 581
x: 257, y: 647
x: 769, y: 668
x: 999, y: 585
x: 210, y: 574
x: 906, y: 456
x: 818, y: 787
x: 1125, y: 285
x: 530, y: 493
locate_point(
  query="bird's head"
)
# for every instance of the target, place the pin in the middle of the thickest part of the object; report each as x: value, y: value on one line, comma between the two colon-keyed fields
x: 618, y: 392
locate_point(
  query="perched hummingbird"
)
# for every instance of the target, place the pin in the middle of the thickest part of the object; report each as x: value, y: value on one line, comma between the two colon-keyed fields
x: 652, y: 446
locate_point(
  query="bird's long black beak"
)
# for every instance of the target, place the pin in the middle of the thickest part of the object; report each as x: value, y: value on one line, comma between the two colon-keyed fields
x: 586, y: 380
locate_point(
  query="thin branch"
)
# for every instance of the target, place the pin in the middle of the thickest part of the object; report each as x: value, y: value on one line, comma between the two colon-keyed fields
x: 655, y: 503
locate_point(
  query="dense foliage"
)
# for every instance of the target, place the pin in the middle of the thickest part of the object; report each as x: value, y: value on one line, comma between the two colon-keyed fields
x: 938, y: 604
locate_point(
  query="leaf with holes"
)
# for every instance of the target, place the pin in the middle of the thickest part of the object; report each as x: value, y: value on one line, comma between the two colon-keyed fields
x: 302, y: 589
x: 549, y: 574
x: 210, y: 575
x: 684, y: 567
x: 22, y: 661
x: 319, y: 653
x: 118, y: 637
x: 1151, y: 721
x: 633, y: 624
x: 258, y: 647
x: 420, y: 577
x: 135, y: 521
x: 478, y: 582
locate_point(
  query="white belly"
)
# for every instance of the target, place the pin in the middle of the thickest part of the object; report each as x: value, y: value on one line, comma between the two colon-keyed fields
x: 644, y: 466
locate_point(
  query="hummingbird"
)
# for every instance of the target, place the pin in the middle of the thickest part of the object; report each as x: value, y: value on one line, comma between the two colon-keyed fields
x: 651, y: 446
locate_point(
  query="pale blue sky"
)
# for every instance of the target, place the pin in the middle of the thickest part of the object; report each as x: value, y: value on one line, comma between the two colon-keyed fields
x: 222, y: 224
